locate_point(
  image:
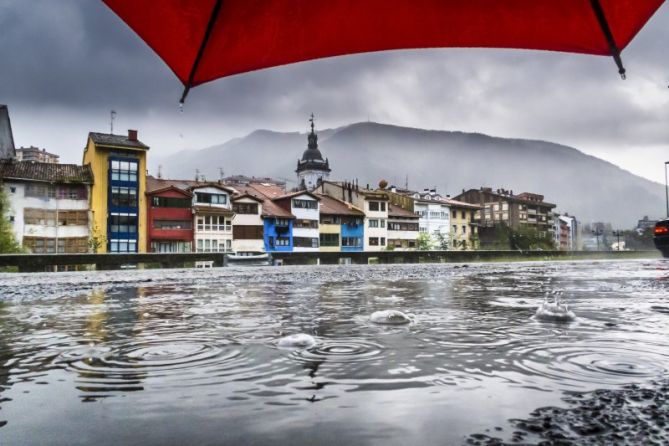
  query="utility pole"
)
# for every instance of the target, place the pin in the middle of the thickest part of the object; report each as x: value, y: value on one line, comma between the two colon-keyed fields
x: 666, y: 186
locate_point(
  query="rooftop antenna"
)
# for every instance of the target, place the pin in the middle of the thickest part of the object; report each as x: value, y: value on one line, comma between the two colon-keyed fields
x: 111, y: 121
x: 406, y: 182
x: 221, y: 173
x: 160, y: 171
x: 197, y: 174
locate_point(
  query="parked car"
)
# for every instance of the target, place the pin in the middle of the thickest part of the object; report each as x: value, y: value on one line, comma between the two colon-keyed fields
x: 661, y: 237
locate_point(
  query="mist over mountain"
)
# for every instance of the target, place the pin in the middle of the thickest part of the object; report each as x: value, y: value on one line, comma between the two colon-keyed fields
x: 583, y: 185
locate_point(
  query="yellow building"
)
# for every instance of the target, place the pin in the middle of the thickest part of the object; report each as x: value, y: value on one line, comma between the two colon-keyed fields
x: 118, y: 201
x: 464, y: 230
x: 341, y: 225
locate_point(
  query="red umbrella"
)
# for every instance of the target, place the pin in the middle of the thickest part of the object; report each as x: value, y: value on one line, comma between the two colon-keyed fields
x: 202, y: 40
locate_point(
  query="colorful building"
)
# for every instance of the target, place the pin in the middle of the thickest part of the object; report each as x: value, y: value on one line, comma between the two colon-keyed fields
x: 305, y: 207
x: 341, y: 226
x: 169, y: 217
x: 464, y: 229
x: 374, y: 204
x: 48, y: 205
x: 118, y: 195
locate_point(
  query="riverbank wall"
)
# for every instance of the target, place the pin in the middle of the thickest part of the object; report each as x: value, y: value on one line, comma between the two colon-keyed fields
x: 53, y: 262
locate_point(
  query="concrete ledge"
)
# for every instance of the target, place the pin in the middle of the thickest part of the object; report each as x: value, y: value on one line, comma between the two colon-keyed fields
x: 40, y: 262
x: 333, y: 258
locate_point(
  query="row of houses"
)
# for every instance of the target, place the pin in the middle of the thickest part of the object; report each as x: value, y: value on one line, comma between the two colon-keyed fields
x: 110, y: 204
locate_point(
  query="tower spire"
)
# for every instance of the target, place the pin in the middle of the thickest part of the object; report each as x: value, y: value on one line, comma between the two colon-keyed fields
x: 311, y: 119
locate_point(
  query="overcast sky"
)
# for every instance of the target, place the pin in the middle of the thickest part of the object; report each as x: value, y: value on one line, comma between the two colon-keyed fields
x: 65, y: 64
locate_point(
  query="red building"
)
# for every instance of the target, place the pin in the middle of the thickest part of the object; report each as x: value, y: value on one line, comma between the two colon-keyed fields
x: 169, y: 217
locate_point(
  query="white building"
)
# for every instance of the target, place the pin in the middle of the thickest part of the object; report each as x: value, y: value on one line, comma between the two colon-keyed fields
x: 213, y: 215
x: 49, y: 206
x: 312, y: 168
x: 305, y: 207
x: 434, y: 213
x: 247, y: 224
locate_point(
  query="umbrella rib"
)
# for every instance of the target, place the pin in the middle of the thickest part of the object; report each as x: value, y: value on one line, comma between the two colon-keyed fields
x: 606, y: 29
x: 200, y: 52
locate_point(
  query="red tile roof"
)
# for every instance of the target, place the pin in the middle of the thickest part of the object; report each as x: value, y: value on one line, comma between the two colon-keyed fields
x: 396, y: 211
x: 333, y: 206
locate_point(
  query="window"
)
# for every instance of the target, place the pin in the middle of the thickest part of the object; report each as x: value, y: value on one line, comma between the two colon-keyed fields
x: 463, y: 215
x: 373, y: 241
x: 329, y: 239
x: 330, y: 219
x: 245, y: 208
x: 305, y: 204
x: 72, y: 192
x: 249, y: 232
x: 377, y: 206
x: 455, y: 229
x: 172, y: 224
x: 282, y: 222
x: 382, y: 223
x: 123, y: 223
x: 12, y: 189
x: 455, y: 214
x: 170, y: 202
x: 373, y: 223
x: 45, y: 217
x: 351, y: 242
x: 124, y: 196
x: 40, y: 245
x: 120, y: 245
x: 207, y: 198
x: 395, y: 226
x: 123, y: 170
x: 464, y: 229
x: 309, y: 224
x: 213, y: 223
x: 40, y: 191
x: 383, y: 241
x: 67, y: 218
x: 305, y: 242
x: 282, y: 241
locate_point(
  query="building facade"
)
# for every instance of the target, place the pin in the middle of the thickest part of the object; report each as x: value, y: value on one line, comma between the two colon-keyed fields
x: 464, y: 229
x: 515, y: 211
x: 118, y: 195
x: 35, y: 154
x: 312, y: 168
x: 247, y: 224
x: 169, y: 218
x: 341, y: 226
x: 48, y: 204
x: 212, y: 215
x: 304, y: 206
x: 403, y: 228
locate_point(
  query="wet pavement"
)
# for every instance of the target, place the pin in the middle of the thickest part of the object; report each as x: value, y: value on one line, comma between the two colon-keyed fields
x: 208, y: 356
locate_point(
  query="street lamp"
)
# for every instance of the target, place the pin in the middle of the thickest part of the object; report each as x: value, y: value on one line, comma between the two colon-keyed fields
x: 597, y: 232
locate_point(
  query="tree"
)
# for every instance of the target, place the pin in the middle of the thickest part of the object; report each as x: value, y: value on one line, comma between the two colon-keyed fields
x: 96, y: 240
x: 424, y: 242
x: 442, y: 241
x: 8, y: 242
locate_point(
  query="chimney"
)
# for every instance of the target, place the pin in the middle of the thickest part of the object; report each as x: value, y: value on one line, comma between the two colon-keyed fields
x: 132, y: 135
x: 393, y: 189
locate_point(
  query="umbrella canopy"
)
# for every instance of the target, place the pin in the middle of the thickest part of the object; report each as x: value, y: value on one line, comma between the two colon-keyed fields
x: 202, y: 40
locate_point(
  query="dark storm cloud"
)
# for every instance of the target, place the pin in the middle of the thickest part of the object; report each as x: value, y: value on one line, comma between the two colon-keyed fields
x: 65, y: 64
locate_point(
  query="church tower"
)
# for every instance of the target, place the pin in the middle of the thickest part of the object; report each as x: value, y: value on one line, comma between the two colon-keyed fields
x: 312, y: 168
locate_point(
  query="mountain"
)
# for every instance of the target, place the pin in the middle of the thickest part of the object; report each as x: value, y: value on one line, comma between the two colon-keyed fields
x: 583, y: 185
